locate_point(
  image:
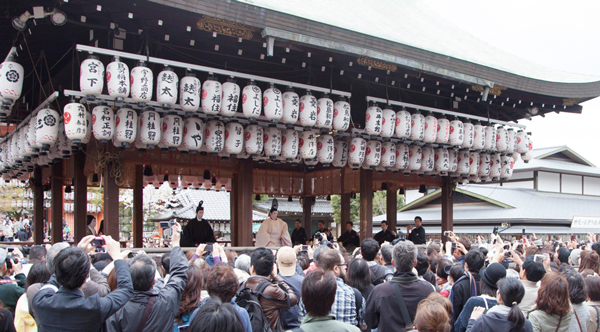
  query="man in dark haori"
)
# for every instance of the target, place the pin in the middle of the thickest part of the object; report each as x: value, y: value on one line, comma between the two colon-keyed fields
x: 197, y: 231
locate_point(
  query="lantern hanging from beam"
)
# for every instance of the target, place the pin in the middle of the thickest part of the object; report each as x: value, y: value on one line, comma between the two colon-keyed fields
x: 495, y: 166
x: 341, y: 115
x: 490, y: 138
x: 308, y: 144
x: 142, y: 83
x: 291, y: 106
x: 91, y: 76
x: 403, y: 124
x: 272, y: 142
x: 522, y: 142
x: 373, y: 119
x: 214, y: 135
x: 415, y: 158
x: 428, y: 162
x: 32, y: 137
x: 150, y: 128
x: 74, y: 121
x: 117, y: 79
x: 388, y: 123
x: 373, y: 154
x: 468, y: 135
x: 463, y: 162
x: 402, y: 157
x: 388, y: 153
x: 357, y: 150
x: 501, y: 139
x: 443, y: 131
x: 167, y: 83
x: 193, y: 134
x: 251, y: 100
x: 473, y: 163
x: 456, y: 137
x: 325, y: 112
x: 46, y: 128
x: 442, y: 160
x: 272, y: 103
x: 430, y: 129
x: 512, y: 141
x: 211, y: 96
x: 289, y: 143
x: 417, y: 127
x: 234, y: 138
x: 478, y: 137
x: 308, y: 110
x: 452, y: 160
x: 190, y: 89
x: 340, y: 153
x: 88, y: 131
x: 231, y: 98
x: 126, y: 126
x: 507, y: 167
x: 485, y: 163
x: 325, y: 148
x: 253, y: 140
x: 103, y: 123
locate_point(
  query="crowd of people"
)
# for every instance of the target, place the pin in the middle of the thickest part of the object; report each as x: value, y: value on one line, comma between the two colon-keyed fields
x: 317, y: 285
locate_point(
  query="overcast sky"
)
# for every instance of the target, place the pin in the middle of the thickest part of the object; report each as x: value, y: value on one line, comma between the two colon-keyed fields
x: 558, y: 34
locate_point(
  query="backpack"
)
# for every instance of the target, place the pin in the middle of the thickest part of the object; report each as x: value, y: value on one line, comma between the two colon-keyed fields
x: 248, y: 299
x: 379, y: 274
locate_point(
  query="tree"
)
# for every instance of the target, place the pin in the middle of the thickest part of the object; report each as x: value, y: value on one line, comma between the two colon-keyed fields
x: 379, y: 205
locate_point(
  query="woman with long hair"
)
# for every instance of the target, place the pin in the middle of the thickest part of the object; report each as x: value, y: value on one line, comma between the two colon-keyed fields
x: 359, y: 277
x: 553, y: 307
x: 589, y: 259
x: 592, y: 283
x: 506, y: 316
x: 434, y: 314
x: 578, y: 295
x: 190, y: 298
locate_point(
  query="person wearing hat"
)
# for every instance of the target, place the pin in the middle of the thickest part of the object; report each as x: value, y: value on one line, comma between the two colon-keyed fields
x: 10, y: 290
x: 286, y: 263
x: 273, y: 232
x: 488, y: 288
x: 198, y: 230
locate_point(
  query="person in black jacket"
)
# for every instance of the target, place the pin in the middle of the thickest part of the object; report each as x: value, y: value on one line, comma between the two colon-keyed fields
x: 299, y: 234
x: 349, y: 238
x: 198, y: 230
x: 385, y: 235
x: 323, y: 230
x: 468, y: 285
x: 417, y: 233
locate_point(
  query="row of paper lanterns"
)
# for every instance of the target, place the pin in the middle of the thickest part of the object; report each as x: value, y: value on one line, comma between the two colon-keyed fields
x: 212, y: 97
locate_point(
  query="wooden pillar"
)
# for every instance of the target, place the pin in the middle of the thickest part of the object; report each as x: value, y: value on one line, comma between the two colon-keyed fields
x: 111, y: 202
x: 345, y: 201
x: 56, y: 183
x: 307, y: 205
x: 241, y: 223
x: 138, y: 208
x: 80, y: 201
x: 38, y: 206
x: 447, y: 206
x: 366, y: 204
x: 391, y: 203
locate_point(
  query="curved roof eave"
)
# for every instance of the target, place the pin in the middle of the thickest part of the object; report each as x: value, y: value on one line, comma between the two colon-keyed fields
x: 420, y: 38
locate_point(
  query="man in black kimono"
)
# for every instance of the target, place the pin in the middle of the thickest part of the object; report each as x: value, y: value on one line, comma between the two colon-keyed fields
x: 197, y: 231
x: 349, y: 239
x: 385, y: 234
x: 416, y: 233
x: 299, y: 234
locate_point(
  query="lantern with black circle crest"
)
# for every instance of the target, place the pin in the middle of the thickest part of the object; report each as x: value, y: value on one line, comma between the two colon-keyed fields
x: 291, y: 107
x: 253, y: 140
x: 417, y: 127
x: 74, y: 117
x: 340, y: 153
x: 308, y: 145
x: 103, y: 123
x: 272, y: 103
x: 190, y: 89
x: 325, y: 149
x: 325, y: 112
x: 251, y: 100
x: 388, y: 153
x: 308, y: 110
x: 142, y: 83
x: 46, y: 128
x: 91, y: 77
x: 193, y: 135
x: 125, y: 127
x: 289, y: 144
x: 403, y: 124
x: 231, y: 97
x: 430, y: 133
x: 415, y: 158
x: 234, y: 138
x: 211, y: 96
x: 388, y: 123
x: 341, y: 114
x: 373, y: 119
x: 117, y: 79
x: 357, y: 150
x: 478, y: 137
x: 150, y: 128
x: 11, y: 83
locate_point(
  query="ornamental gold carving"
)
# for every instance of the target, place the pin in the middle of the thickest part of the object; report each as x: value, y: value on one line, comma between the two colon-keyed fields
x: 571, y: 101
x: 225, y: 27
x: 376, y: 64
x: 496, y: 90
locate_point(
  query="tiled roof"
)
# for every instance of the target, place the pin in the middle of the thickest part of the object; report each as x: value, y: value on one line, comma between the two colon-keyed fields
x: 320, y: 207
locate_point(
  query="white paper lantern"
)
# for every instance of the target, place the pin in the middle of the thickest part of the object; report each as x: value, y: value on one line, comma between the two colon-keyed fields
x: 290, y: 139
x: 63, y: 148
x: 373, y: 154
x: 291, y: 107
x: 193, y: 134
x: 442, y: 160
x: 142, y: 83
x: 485, y: 163
x: 125, y: 127
x: 527, y: 156
x: 403, y: 124
x: 117, y: 79
x: 190, y: 89
x: 340, y: 153
x: 507, y: 167
x: 468, y: 135
x: 272, y: 142
x: 231, y: 97
x: 456, y: 137
x: 103, y: 123
x: 11, y: 81
x: 91, y: 76
x: 490, y: 138
x: 31, y: 137
x: 428, y: 161
x: 473, y: 163
x: 167, y: 83
x: 388, y: 123
x: 452, y: 160
x: 443, y: 131
x: 501, y: 139
x: 16, y: 142
x: 357, y: 150
x: 27, y: 148
x: 341, y: 115
x: 388, y: 153
x: 402, y: 157
x: 138, y: 144
x: 415, y: 158
x: 325, y: 112
x: 308, y: 110
x: 251, y: 101
x: 373, y: 119
x: 253, y: 140
x: 430, y: 129
x: 150, y: 128
x: 417, y: 127
x: 495, y: 166
x: 46, y: 128
x: 234, y: 138
x: 512, y: 140
x: 308, y: 145
x: 88, y: 132
x: 478, y: 137
x: 272, y: 103
x: 522, y: 142
x: 211, y: 96
x: 325, y: 148
x: 75, y: 121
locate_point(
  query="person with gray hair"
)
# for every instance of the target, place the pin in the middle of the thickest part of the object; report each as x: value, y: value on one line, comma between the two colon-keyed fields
x: 383, y: 310
x: 152, y: 308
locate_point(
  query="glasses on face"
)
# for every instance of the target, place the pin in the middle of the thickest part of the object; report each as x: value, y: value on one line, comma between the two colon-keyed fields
x: 344, y: 265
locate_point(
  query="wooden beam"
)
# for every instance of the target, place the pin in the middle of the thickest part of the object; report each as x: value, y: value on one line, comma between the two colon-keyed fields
x: 138, y: 207
x: 391, y: 204
x: 447, y: 206
x: 241, y: 226
x: 366, y: 204
x: 38, y: 206
x: 111, y: 201
x: 80, y: 193
x: 56, y: 183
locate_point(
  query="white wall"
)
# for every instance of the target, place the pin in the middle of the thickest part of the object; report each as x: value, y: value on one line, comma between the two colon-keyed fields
x: 571, y: 184
x: 548, y: 182
x: 412, y: 195
x: 591, y: 186
x: 519, y: 184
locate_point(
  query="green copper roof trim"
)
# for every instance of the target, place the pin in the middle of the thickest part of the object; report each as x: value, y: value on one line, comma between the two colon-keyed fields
x: 567, y: 149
